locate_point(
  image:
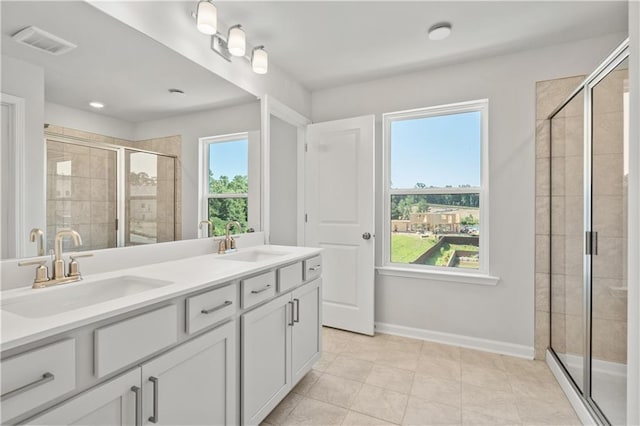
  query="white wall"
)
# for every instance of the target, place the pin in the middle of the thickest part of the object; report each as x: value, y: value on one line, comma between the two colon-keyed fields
x: 26, y: 81
x: 241, y: 118
x: 503, y: 313
x: 283, y: 179
x: 73, y: 118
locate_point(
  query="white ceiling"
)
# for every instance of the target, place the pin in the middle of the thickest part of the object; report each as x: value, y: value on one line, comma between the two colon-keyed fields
x: 113, y: 63
x: 330, y: 43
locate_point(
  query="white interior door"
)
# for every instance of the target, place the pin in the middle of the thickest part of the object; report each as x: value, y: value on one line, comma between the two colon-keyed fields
x: 339, y: 203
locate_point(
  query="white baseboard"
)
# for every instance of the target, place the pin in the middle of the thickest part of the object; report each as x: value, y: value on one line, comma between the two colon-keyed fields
x: 486, y: 345
x: 574, y: 399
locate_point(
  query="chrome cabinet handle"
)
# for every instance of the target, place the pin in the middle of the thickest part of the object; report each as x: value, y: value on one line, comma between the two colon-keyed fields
x: 136, y: 391
x: 156, y: 386
x: 260, y: 291
x: 292, y: 320
x: 217, y: 308
x: 297, y: 302
x: 315, y: 268
x: 46, y: 377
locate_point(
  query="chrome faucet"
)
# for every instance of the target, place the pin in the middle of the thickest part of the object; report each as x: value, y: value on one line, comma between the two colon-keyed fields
x: 210, y: 227
x: 229, y: 243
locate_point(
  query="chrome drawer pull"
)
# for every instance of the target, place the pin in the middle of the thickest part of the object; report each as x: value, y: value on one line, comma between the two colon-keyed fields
x: 292, y: 320
x: 315, y: 268
x: 136, y: 390
x: 260, y: 291
x: 46, y: 377
x: 217, y: 308
x: 156, y: 385
x: 297, y: 318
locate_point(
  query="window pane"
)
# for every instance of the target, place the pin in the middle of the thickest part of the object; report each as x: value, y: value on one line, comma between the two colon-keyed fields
x: 224, y: 210
x: 436, y: 152
x: 228, y: 167
x: 437, y: 230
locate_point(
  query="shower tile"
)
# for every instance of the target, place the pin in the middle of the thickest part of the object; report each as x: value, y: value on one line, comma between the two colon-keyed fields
x: 75, y: 149
x: 99, y: 167
x: 608, y: 262
x: 574, y: 326
x: 98, y: 189
x: 80, y: 189
x: 574, y: 136
x: 542, y: 177
x: 542, y: 216
x: 558, y: 332
x: 607, y: 95
x: 551, y: 93
x: 542, y: 139
x: 99, y: 236
x: 557, y: 301
x: 557, y: 134
x: 609, y: 340
x: 574, y: 290
x: 571, y: 182
x: 542, y: 292
x: 99, y: 211
x: 558, y: 253
x: 608, y: 302
x: 608, y: 129
x: 607, y: 174
x: 573, y: 215
x: 607, y: 215
x: 557, y: 216
x: 81, y: 212
x: 574, y: 255
x: 81, y: 165
x: 542, y: 253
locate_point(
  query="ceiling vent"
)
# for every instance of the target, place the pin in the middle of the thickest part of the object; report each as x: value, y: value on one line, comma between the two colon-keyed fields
x: 43, y: 41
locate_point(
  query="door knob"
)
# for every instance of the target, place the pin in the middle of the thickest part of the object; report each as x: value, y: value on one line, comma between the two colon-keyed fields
x: 366, y: 236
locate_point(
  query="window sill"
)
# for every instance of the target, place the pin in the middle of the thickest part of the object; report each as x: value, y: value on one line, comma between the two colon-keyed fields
x: 454, y: 277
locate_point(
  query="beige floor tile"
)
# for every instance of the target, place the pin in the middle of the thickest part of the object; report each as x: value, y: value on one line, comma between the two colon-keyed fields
x: 404, y: 345
x: 328, y: 332
x: 490, y: 402
x: 438, y: 367
x: 392, y: 378
x: 435, y: 389
x: 535, y: 411
x: 440, y: 350
x: 421, y: 412
x: 335, y: 390
x: 471, y: 418
x: 481, y: 359
x: 325, y: 360
x: 306, y: 382
x: 334, y: 343
x: 531, y: 388
x: 350, y: 368
x: 358, y: 419
x: 404, y: 360
x: 312, y: 412
x: 368, y: 339
x: 364, y: 350
x: 280, y: 413
x: 527, y: 368
x: 381, y: 403
x: 489, y: 378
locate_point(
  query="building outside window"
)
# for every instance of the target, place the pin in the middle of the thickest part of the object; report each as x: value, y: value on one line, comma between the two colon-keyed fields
x: 436, y: 188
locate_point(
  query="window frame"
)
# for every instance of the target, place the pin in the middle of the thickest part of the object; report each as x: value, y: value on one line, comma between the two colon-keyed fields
x: 478, y: 276
x: 253, y: 178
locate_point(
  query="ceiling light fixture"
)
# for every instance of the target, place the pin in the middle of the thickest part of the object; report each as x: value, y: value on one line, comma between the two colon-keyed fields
x: 97, y: 105
x: 440, y: 31
x: 207, y: 17
x: 235, y: 43
x: 259, y: 60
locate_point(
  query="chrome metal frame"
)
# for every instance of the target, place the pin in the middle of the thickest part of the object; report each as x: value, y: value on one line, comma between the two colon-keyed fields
x: 620, y: 54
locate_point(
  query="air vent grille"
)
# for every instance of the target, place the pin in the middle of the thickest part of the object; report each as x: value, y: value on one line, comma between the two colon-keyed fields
x: 43, y: 41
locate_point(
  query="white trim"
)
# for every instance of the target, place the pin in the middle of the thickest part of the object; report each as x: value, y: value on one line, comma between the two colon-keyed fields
x: 16, y: 196
x: 494, y: 346
x: 481, y: 105
x: 271, y: 106
x: 574, y: 399
x: 608, y: 368
x: 458, y: 277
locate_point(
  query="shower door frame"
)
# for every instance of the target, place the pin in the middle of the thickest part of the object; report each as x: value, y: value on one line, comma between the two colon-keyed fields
x: 120, y: 176
x: 619, y: 55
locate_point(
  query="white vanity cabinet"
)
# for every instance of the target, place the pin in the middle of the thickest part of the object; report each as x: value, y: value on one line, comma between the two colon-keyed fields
x: 280, y: 343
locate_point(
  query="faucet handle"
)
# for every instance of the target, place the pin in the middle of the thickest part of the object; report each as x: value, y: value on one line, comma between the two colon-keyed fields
x: 42, y: 273
x: 74, y: 256
x: 74, y: 266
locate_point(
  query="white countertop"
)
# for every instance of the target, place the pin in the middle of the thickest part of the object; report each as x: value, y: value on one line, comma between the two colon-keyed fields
x: 186, y: 275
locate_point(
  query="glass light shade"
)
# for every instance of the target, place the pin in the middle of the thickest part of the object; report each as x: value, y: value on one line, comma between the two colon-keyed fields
x: 207, y: 17
x: 236, y: 42
x: 260, y: 61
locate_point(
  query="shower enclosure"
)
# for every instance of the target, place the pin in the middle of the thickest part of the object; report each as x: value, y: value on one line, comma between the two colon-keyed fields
x: 589, y: 167
x: 113, y: 195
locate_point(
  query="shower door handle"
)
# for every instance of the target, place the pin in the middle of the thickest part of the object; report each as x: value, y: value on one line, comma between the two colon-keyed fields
x: 591, y: 243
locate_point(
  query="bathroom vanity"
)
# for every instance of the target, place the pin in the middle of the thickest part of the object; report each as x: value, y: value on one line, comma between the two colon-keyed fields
x: 212, y: 339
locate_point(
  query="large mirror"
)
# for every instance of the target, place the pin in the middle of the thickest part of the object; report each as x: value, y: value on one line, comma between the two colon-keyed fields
x: 108, y: 132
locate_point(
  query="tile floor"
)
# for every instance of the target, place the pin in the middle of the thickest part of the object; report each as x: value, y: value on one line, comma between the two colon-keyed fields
x: 387, y: 380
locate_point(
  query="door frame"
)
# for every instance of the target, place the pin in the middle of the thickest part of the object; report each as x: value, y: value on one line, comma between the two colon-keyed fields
x: 270, y: 106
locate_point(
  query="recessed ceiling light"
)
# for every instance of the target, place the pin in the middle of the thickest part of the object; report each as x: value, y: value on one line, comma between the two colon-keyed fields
x: 97, y: 105
x: 440, y: 31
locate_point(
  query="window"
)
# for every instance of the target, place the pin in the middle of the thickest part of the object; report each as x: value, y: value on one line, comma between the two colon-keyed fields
x: 435, y: 192
x: 225, y: 195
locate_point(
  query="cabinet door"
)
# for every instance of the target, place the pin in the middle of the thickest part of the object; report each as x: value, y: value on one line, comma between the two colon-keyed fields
x: 305, y: 338
x: 266, y: 363
x: 111, y: 403
x: 194, y: 383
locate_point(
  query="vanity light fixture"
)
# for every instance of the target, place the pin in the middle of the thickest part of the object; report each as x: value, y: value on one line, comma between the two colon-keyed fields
x: 259, y: 60
x: 440, y: 31
x: 207, y: 17
x: 96, y: 105
x: 236, y: 41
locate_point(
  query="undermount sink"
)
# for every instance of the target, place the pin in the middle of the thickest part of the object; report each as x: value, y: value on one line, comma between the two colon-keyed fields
x: 69, y: 297
x: 254, y: 255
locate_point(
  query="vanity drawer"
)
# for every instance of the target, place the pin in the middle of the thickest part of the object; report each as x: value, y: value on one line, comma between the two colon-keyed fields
x: 289, y: 276
x: 258, y: 288
x: 125, y: 342
x: 36, y: 377
x: 312, y: 268
x: 208, y: 308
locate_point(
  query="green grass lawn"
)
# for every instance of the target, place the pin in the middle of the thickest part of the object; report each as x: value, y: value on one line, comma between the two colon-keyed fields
x: 441, y: 258
x: 405, y: 248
